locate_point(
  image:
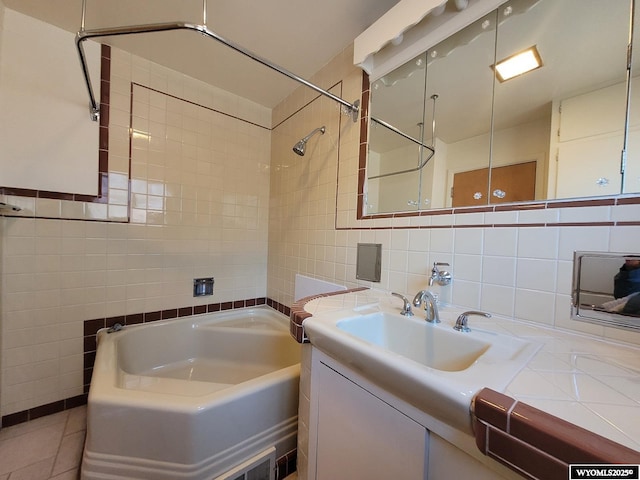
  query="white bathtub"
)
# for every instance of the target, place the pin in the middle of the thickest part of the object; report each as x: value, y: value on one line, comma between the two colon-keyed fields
x: 193, y: 397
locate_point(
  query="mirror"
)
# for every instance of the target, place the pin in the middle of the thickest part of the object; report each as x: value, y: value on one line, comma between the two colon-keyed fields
x: 606, y: 288
x: 555, y: 132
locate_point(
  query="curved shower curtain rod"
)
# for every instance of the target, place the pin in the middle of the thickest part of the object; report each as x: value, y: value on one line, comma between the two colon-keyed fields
x: 353, y: 109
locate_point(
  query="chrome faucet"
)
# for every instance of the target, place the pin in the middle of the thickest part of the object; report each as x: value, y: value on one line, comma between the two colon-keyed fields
x: 406, y: 308
x: 441, y: 277
x: 463, y: 320
x: 430, y: 305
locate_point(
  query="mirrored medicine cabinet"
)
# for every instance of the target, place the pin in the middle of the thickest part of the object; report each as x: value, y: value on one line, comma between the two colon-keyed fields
x: 470, y: 138
x: 606, y: 289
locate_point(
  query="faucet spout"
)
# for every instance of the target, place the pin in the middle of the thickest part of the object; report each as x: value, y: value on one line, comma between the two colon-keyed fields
x: 430, y: 305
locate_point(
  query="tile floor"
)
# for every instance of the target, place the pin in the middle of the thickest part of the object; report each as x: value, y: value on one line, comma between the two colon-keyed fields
x: 47, y: 448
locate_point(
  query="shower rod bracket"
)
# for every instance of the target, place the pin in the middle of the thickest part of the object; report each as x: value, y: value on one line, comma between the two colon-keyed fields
x: 352, y: 108
x: 94, y: 113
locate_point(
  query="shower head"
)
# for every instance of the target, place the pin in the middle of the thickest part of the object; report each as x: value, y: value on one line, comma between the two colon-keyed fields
x: 302, y: 144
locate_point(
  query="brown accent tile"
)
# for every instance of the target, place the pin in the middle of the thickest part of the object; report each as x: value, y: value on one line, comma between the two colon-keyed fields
x: 364, y: 104
x: 105, y: 66
x: 134, y: 319
x: 55, y: 195
x: 511, y: 452
x: 360, y: 206
x: 76, y: 401
x: 517, y: 206
x: 152, y: 316
x: 169, y: 313
x: 48, y: 409
x: 250, y: 303
x: 366, y: 83
x: 582, y: 203
x: 103, y: 141
x: 444, y: 211
x: 111, y: 321
x: 226, y: 305
x: 584, y: 224
x: 297, y: 313
x: 103, y: 161
x: 361, y: 175
x: 628, y: 224
x: 480, y: 431
x: 199, y: 309
x: 89, y: 343
x: 91, y: 327
x: 185, y: 312
x: 261, y: 301
x: 362, y: 158
x: 493, y: 407
x: 15, y: 418
x: 628, y: 200
x: 213, y: 307
x: 20, y: 192
x: 104, y: 110
x: 564, y: 440
x: 89, y: 359
x: 473, y: 209
x: 87, y: 374
x: 238, y: 304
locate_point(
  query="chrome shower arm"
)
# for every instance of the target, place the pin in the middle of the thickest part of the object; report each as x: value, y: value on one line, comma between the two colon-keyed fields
x: 353, y: 108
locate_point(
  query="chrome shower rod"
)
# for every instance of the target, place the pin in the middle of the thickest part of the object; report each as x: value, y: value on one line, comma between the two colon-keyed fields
x: 352, y: 108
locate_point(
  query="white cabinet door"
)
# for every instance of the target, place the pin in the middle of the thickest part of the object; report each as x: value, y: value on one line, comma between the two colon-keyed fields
x: 360, y: 437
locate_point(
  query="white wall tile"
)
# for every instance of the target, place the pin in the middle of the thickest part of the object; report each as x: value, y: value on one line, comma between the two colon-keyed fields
x: 469, y: 241
x: 538, y: 242
x: 536, y: 274
x: 497, y: 299
x: 499, y: 270
x: 535, y: 306
x: 583, y: 239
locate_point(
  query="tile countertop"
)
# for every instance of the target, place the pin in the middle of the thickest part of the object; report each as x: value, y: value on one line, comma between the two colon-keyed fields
x: 589, y: 382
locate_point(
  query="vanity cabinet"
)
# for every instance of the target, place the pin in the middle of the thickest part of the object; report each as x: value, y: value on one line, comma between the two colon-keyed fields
x: 361, y: 436
x: 359, y: 431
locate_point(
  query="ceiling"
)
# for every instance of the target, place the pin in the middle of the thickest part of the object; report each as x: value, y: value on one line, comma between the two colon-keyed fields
x: 298, y: 35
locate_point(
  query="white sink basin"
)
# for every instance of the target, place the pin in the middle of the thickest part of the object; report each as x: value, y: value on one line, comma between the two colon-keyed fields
x: 417, y: 340
x: 432, y: 367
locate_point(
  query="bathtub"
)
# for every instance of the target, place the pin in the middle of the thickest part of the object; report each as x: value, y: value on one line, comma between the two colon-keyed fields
x: 192, y: 398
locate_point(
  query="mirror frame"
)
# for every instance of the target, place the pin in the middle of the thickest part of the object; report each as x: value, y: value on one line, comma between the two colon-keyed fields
x: 607, y: 200
x: 595, y: 315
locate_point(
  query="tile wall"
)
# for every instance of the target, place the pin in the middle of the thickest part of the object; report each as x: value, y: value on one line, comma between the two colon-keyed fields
x: 214, y: 188
x: 188, y: 197
x: 521, y: 267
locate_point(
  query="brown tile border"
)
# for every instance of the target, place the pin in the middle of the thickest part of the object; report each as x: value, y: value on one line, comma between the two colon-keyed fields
x: 549, y: 204
x: 286, y: 464
x: 535, y: 443
x: 42, y: 410
x: 298, y: 313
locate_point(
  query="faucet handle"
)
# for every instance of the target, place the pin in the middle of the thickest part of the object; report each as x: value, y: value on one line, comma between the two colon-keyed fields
x: 463, y: 320
x: 406, y: 308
